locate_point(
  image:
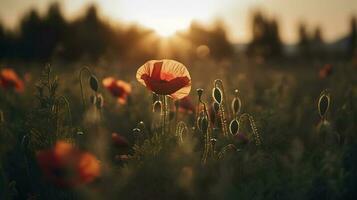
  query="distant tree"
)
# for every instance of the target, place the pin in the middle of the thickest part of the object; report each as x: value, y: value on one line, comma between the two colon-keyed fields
x: 2, y: 41
x: 317, y: 43
x: 53, y: 31
x: 304, y: 46
x: 352, y: 48
x: 265, y: 37
x: 318, y: 35
x: 86, y: 36
x: 214, y: 39
x: 274, y: 38
x: 30, y: 39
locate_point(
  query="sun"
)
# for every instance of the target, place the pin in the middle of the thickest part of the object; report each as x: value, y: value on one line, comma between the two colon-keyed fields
x: 165, y: 17
x: 166, y: 27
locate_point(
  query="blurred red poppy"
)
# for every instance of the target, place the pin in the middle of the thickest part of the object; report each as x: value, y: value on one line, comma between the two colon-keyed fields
x: 66, y: 166
x: 119, y: 140
x: 325, y: 71
x: 165, y: 77
x: 241, y: 138
x: 10, y: 80
x: 118, y: 88
x: 186, y: 105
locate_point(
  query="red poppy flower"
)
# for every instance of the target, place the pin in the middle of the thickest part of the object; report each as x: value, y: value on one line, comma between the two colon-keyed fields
x: 119, y: 140
x: 186, y: 105
x: 165, y: 77
x: 118, y: 88
x: 325, y: 71
x: 10, y: 80
x: 66, y: 166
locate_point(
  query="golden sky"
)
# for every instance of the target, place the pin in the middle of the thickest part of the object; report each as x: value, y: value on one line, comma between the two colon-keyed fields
x: 168, y: 16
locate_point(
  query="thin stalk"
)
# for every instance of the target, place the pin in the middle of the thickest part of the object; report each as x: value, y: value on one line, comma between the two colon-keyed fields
x: 222, y: 107
x: 81, y: 84
x: 68, y: 109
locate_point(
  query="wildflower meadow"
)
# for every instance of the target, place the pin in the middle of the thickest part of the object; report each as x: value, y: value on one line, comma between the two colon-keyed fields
x: 122, y: 114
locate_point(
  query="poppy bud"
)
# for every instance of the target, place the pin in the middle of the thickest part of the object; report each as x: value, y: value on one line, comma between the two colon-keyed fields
x: 234, y: 126
x: 323, y: 104
x: 157, y: 107
x: 213, y: 142
x: 236, y: 103
x: 216, y: 107
x: 1, y: 117
x: 141, y: 125
x: 217, y: 95
x: 136, y: 131
x: 93, y: 83
x: 100, y: 101
x: 204, y: 123
x: 93, y: 99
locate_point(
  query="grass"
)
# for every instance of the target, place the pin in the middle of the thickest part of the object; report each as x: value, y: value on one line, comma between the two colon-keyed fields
x: 297, y: 156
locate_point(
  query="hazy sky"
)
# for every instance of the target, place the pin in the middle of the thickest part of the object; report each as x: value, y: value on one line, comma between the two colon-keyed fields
x: 168, y: 16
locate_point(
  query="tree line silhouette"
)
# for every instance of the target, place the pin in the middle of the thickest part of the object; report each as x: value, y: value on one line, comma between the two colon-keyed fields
x: 43, y: 38
x: 52, y: 36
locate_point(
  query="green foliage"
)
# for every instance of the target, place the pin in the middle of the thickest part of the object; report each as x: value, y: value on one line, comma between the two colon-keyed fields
x: 50, y: 120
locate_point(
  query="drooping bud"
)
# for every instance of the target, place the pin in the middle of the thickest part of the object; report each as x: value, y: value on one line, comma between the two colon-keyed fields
x: 204, y: 123
x: 236, y: 103
x: 93, y: 99
x: 323, y: 104
x: 141, y: 125
x: 213, y: 142
x: 93, y: 83
x: 216, y: 107
x: 157, y: 107
x: 100, y: 101
x: 217, y: 95
x: 234, y: 127
x: 1, y: 117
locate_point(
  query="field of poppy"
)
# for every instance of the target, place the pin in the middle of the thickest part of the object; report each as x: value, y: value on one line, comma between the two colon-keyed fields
x: 163, y: 129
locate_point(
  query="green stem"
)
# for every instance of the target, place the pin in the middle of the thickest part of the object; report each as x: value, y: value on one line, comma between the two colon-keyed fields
x: 81, y: 84
x: 68, y: 108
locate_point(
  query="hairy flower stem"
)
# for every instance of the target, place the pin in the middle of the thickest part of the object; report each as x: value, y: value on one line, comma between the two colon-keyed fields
x: 253, y: 126
x: 164, y: 113
x: 65, y: 100
x: 222, y: 108
x: 207, y: 135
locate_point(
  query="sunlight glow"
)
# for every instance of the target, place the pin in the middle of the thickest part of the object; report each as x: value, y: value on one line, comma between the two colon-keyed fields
x: 167, y: 16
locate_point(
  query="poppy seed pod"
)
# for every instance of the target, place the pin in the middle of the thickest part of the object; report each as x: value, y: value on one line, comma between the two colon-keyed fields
x: 199, y: 92
x: 93, y: 83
